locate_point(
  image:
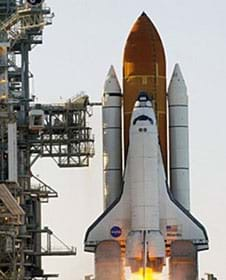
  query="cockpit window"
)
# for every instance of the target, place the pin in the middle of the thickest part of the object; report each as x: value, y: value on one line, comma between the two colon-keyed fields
x: 143, y: 118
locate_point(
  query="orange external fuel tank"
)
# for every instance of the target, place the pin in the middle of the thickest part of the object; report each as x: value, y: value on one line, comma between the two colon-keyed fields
x: 144, y: 69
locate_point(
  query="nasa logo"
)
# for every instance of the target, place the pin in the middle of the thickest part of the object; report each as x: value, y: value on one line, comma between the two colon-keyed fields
x: 34, y: 2
x: 116, y: 231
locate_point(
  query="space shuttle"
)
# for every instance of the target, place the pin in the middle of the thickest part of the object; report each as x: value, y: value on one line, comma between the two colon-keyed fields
x: 143, y: 213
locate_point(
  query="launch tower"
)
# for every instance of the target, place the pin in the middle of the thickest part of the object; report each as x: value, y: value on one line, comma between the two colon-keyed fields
x: 29, y: 131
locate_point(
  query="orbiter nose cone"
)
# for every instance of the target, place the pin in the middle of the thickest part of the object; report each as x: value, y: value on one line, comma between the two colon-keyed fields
x: 143, y: 96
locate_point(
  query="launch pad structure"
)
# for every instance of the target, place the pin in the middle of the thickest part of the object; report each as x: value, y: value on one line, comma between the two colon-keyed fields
x: 29, y: 131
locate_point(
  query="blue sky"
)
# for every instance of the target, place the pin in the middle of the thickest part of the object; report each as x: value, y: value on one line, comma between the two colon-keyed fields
x: 85, y: 39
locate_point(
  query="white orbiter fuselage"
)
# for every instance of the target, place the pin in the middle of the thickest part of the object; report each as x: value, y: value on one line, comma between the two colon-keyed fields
x: 145, y: 218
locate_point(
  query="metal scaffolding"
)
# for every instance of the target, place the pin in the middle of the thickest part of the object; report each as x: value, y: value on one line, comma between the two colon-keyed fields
x: 65, y: 135
x: 29, y: 131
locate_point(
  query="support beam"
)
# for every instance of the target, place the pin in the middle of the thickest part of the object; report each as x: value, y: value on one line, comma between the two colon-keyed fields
x: 12, y: 152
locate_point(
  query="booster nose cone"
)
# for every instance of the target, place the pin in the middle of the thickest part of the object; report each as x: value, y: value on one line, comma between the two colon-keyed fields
x: 177, y: 76
x: 111, y: 84
x: 177, y: 92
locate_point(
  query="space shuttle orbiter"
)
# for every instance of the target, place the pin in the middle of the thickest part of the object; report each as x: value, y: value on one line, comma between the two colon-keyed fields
x: 145, y: 218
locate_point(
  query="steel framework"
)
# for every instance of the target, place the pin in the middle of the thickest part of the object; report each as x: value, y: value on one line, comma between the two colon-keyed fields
x: 29, y: 131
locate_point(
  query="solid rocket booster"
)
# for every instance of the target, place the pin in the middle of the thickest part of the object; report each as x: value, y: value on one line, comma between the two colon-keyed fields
x: 144, y: 69
x: 178, y: 132
x: 112, y: 143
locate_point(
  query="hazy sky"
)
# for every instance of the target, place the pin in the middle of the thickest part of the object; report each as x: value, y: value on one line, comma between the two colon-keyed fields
x: 88, y: 36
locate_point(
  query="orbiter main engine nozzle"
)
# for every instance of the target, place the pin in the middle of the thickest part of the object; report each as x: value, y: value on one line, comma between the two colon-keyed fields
x: 145, y: 249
